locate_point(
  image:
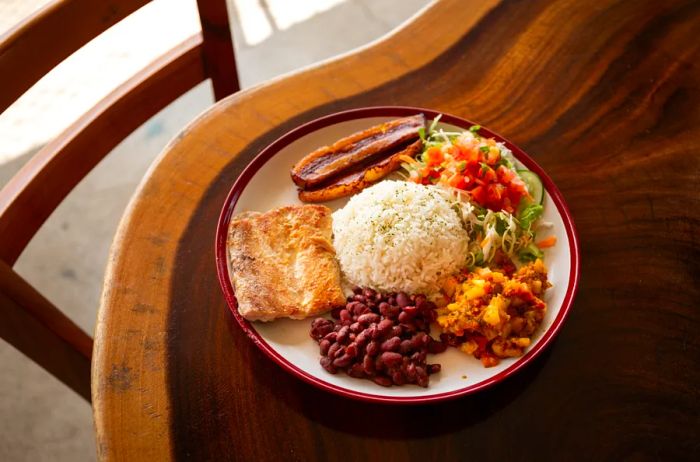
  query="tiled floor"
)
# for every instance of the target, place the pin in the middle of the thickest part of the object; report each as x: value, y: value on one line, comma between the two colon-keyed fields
x: 39, y: 418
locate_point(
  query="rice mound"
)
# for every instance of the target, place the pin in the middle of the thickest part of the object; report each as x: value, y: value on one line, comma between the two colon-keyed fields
x: 399, y: 236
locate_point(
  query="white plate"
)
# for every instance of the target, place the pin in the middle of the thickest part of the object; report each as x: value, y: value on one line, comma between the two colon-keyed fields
x: 266, y: 184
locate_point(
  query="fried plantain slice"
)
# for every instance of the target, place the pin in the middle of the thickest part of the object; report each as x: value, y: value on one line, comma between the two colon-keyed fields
x: 343, y: 155
x: 358, y: 180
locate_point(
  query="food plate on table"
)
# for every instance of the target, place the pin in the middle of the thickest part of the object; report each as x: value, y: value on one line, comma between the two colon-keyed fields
x: 397, y: 255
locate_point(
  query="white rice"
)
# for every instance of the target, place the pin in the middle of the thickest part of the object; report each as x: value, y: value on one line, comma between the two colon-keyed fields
x: 399, y: 236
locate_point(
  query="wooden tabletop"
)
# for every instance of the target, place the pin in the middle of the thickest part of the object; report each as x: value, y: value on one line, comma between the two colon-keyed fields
x: 604, y: 95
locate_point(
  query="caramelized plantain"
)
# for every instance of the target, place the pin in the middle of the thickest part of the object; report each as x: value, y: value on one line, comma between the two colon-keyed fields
x: 350, y: 152
x: 359, y: 179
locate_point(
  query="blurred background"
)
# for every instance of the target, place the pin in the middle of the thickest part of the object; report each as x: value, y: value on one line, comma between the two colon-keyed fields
x: 40, y: 418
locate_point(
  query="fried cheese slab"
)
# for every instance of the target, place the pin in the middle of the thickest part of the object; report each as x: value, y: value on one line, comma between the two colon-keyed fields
x: 282, y: 263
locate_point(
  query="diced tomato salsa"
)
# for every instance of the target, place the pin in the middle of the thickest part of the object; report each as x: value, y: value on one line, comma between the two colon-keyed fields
x: 473, y: 164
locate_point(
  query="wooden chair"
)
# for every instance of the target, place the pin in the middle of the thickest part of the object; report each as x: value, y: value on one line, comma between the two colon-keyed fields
x: 28, y: 320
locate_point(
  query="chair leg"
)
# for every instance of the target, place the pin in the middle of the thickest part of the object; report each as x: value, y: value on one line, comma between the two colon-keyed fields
x: 30, y: 323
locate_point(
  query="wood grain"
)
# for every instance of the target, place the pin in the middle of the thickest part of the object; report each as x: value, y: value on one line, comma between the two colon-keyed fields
x: 604, y: 96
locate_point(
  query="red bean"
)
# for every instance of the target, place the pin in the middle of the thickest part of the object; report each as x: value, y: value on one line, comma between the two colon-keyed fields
x: 368, y: 318
x: 324, y: 346
x: 342, y: 361
x: 436, y: 347
x: 334, y: 349
x: 368, y: 365
x: 382, y: 337
x: 423, y: 338
x: 351, y: 350
x: 320, y: 327
x: 384, y: 309
x: 343, y: 334
x: 327, y: 364
x: 434, y: 368
x: 381, y: 380
x: 362, y: 338
x: 372, y: 348
x: 379, y: 363
x: 392, y: 344
x: 402, y: 299
x: 411, y: 372
x: 391, y: 359
x: 398, y: 378
x: 385, y: 326
x: 361, y: 309
x: 356, y: 371
x: 411, y: 311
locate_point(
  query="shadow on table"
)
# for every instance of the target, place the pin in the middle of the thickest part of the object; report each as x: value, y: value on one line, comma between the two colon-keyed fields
x: 414, y: 421
x: 398, y: 421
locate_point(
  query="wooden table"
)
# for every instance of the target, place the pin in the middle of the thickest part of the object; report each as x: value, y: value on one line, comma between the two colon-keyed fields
x: 605, y: 95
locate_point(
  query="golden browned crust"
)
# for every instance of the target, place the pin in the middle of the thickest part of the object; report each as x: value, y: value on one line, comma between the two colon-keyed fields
x: 357, y: 181
x: 330, y: 161
x: 282, y: 263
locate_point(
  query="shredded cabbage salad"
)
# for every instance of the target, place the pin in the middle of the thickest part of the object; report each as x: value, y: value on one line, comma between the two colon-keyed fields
x: 490, y: 231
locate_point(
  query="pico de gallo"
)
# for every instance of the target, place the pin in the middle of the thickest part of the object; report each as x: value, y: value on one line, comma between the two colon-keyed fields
x: 480, y: 166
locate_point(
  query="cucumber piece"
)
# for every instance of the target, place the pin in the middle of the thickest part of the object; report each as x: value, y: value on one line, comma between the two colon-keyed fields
x: 534, y: 185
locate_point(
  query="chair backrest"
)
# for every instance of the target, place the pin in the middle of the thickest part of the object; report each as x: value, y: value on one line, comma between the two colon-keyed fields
x: 27, y: 52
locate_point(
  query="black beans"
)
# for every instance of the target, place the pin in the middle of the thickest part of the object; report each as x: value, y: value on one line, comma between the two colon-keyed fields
x: 381, y: 337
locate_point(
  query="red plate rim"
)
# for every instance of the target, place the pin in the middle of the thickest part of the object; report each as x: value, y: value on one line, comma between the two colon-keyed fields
x: 389, y: 111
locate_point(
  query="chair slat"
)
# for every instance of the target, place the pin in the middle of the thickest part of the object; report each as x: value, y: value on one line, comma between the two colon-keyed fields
x: 219, y: 60
x: 32, y: 195
x: 44, y: 39
x: 40, y: 331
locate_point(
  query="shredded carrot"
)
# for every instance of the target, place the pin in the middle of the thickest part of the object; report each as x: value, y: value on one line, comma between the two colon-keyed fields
x: 547, y: 242
x: 408, y: 159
